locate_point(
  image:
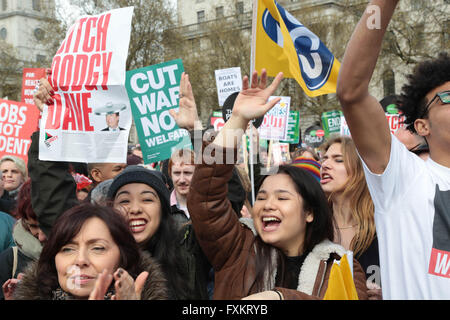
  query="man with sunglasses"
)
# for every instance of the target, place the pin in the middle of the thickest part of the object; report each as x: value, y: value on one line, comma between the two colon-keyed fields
x: 411, y: 196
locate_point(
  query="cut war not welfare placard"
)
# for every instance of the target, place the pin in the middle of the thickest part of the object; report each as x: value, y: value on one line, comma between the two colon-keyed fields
x: 153, y: 91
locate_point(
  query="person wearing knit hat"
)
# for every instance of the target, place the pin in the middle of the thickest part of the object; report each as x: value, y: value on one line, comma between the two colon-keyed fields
x: 139, y: 174
x: 14, y: 173
x: 311, y: 165
x: 142, y: 197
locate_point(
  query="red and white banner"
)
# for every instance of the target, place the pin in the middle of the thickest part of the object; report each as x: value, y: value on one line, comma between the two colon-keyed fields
x: 30, y: 78
x: 439, y: 263
x: 217, y: 123
x: 274, y: 125
x: 17, y: 123
x: 90, y: 118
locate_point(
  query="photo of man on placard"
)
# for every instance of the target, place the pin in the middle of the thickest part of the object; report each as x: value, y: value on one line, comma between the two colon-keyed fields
x: 112, y: 113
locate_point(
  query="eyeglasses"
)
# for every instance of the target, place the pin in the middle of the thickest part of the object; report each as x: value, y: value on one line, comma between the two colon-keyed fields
x: 443, y: 96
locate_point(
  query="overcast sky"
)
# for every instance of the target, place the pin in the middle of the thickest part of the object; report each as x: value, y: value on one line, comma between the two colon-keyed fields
x: 72, y: 12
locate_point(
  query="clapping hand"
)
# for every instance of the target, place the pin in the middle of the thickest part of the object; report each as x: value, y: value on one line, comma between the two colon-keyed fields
x: 125, y: 286
x: 9, y: 286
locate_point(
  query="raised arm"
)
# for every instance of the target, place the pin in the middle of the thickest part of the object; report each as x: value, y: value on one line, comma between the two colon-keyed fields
x: 363, y: 113
x: 187, y: 115
x: 251, y: 103
x: 53, y: 190
x: 215, y: 223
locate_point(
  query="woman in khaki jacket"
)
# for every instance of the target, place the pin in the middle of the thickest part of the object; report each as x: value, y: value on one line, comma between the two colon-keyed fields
x: 286, y: 250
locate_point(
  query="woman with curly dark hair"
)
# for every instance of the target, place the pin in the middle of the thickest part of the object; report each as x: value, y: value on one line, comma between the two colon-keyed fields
x: 411, y: 196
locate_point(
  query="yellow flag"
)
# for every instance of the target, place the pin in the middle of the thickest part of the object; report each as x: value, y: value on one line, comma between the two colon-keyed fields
x: 281, y: 43
x: 340, y: 284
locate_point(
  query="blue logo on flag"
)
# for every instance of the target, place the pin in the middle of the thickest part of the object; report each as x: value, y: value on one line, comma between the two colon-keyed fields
x: 314, y: 58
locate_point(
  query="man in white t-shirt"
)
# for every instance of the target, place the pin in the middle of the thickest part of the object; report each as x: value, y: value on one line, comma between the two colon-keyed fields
x: 411, y: 196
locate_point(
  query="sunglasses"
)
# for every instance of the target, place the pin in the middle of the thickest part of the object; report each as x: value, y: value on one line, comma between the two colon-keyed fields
x: 443, y: 96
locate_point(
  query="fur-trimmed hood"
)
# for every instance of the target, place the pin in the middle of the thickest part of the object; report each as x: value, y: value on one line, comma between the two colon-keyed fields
x: 155, y: 287
x: 307, y: 277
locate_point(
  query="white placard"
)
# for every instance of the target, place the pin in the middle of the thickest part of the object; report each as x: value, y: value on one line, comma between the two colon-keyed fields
x: 228, y: 81
x: 90, y: 117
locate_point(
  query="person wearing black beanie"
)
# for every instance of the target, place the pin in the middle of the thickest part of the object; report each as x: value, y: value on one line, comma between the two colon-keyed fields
x: 139, y: 174
x: 141, y: 195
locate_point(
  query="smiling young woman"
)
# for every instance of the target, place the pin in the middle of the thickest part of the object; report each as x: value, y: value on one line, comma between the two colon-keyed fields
x: 286, y: 250
x: 142, y: 198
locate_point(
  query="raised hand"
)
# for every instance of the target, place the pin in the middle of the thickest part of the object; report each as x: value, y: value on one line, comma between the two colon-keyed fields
x: 101, y: 286
x: 252, y: 101
x: 126, y: 287
x: 44, y: 93
x: 10, y: 285
x: 187, y: 116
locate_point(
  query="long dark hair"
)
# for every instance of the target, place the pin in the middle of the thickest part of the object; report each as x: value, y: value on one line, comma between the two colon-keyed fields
x: 164, y: 246
x: 321, y: 228
x: 68, y: 225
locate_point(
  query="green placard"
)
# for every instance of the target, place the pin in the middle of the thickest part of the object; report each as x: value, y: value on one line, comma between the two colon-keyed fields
x: 153, y: 91
x: 331, y: 122
x: 293, y: 128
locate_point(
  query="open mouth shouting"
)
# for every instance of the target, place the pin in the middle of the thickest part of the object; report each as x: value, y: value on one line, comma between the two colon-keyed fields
x: 137, y: 225
x: 270, y: 223
x: 325, y: 178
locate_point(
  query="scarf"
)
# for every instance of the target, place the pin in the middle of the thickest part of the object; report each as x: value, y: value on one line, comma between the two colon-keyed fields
x: 60, y: 294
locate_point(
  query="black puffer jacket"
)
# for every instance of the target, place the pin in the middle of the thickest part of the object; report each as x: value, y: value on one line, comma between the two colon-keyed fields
x: 53, y: 189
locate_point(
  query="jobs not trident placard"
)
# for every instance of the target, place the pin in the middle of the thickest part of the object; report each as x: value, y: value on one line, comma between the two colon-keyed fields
x: 153, y: 91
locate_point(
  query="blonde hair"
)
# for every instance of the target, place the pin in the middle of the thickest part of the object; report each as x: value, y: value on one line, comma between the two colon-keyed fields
x: 357, y: 193
x: 182, y: 156
x: 20, y: 164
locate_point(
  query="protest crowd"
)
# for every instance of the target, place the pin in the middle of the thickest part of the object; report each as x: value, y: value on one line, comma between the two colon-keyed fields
x: 365, y: 216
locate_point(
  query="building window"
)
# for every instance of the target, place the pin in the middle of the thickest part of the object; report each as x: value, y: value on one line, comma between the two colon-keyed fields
x: 239, y: 7
x: 419, y: 36
x: 4, y: 5
x: 39, y: 34
x: 40, y: 58
x: 195, y: 44
x: 389, y: 83
x: 3, y: 33
x: 416, y: 4
x: 200, y: 16
x: 446, y: 32
x: 219, y: 12
x: 37, y: 5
